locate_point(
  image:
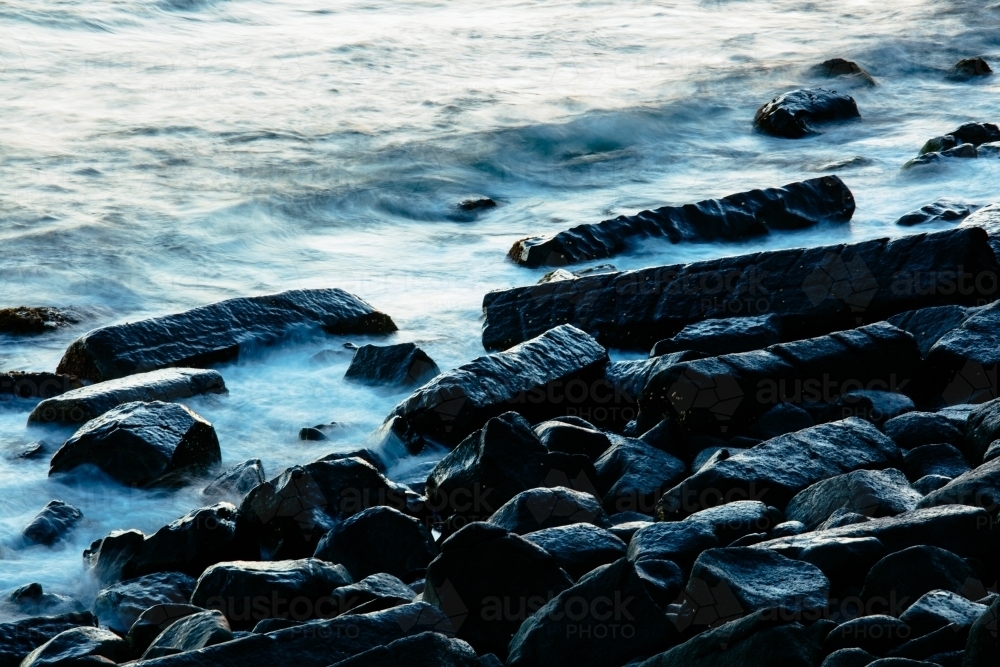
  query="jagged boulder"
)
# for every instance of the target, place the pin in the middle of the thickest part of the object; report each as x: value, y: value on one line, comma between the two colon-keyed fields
x: 378, y: 539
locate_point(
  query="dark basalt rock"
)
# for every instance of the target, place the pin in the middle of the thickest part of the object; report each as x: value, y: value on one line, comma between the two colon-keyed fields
x: 992, y: 452
x: 876, y: 634
x: 838, y: 67
x: 237, y: 481
x: 36, y: 385
x: 51, y: 524
x: 537, y: 509
x: 737, y: 216
x: 21, y: 637
x: 402, y: 365
x: 944, y: 460
x: 907, y: 575
x: 143, y: 444
x: 32, y: 600
x: 723, y: 336
x: 927, y: 647
x: 555, y: 635
x: 848, y: 657
x: 980, y: 486
x: 982, y: 650
x: 793, y: 115
x: 86, y: 403
x: 761, y: 639
x: 844, y: 560
x: 79, y: 646
x: 428, y: 649
x: 214, y: 333
x: 28, y: 450
x: 382, y: 589
x: 842, y: 517
x: 925, y: 485
x: 108, y: 556
x: 366, y: 455
x: 286, y: 516
x: 967, y: 68
x: 118, y: 606
x: 200, y: 538
x: 776, y: 470
x: 395, y: 439
x: 532, y: 378
x: 678, y: 541
x: 193, y: 632
x: 981, y: 429
x: 966, y: 531
x: 813, y: 291
x: 580, y: 547
x: 627, y: 379
x: 33, y: 320
x: 874, y: 405
x: 737, y: 519
x: 316, y: 644
x: 632, y: 476
x: 916, y: 429
x: 378, y: 539
x: 928, y: 324
x: 572, y: 439
x: 477, y: 204
x: 783, y: 418
x: 872, y: 493
x: 760, y: 579
x: 152, y: 622
x: 938, y: 609
x: 480, y: 567
x: 247, y: 591
x: 943, y: 210
x: 969, y: 133
x: 723, y: 396
x: 962, y: 151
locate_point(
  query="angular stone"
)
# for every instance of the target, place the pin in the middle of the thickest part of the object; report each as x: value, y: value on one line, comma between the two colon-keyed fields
x: 86, y: 403
x: 968, y: 133
x: 108, y: 556
x: 982, y: 648
x: 532, y: 378
x: 200, y: 538
x: 783, y: 418
x: 848, y: 657
x: 981, y: 429
x: 555, y: 635
x: 927, y: 325
x: 21, y: 637
x: 937, y: 609
x: 632, y: 475
x: 812, y: 291
x: 250, y: 591
x: 737, y: 216
x: 842, y: 517
x: 537, y: 509
x: 944, y: 460
x: 737, y: 519
x: 382, y: 589
x: 214, y: 333
x: 237, y: 481
x: 378, y: 539
x: 152, y: 622
x: 943, y: 210
x: 793, y: 115
x: 118, y: 606
x: 402, y: 365
x: 844, y: 560
x: 915, y: 429
x: 962, y: 362
x: 872, y: 405
x: 977, y: 487
x: 51, y: 524
x: 904, y: 576
x: 559, y: 436
x: 876, y: 634
x: 930, y: 483
x: 678, y: 541
x: 205, y: 628
x: 79, y: 646
x: 872, y: 493
x: 143, y: 444
x: 776, y: 470
x: 479, y: 567
x: 428, y: 649
x: 713, y: 338
x: 580, y: 547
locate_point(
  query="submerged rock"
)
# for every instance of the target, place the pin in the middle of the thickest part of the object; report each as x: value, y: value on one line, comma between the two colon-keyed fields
x: 737, y: 216
x: 52, y: 524
x: 968, y: 68
x: 813, y: 291
x: 393, y: 365
x: 969, y: 133
x: 962, y: 151
x: 532, y: 378
x: 143, y: 444
x: 793, y: 115
x: 214, y: 333
x: 838, y: 67
x: 32, y: 600
x: 36, y: 385
x: 237, y: 481
x: 33, y: 320
x: 86, y: 403
x: 943, y: 210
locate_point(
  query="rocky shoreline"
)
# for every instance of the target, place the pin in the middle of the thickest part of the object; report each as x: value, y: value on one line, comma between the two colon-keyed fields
x: 805, y: 471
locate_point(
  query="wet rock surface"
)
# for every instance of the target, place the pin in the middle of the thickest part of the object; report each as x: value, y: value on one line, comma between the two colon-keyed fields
x: 118, y: 606
x: 738, y: 216
x: 34, y: 320
x: 86, y: 646
x: 21, y: 637
x: 943, y: 210
x: 51, y: 524
x: 796, y: 114
x: 393, y: 365
x: 580, y: 547
x: 190, y: 633
x: 537, y: 509
x: 214, y: 333
x: 142, y: 444
x: 36, y: 385
x: 871, y: 493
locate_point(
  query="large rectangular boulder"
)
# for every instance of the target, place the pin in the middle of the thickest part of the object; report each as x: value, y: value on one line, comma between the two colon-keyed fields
x: 812, y: 291
x: 214, y: 333
x: 962, y: 363
x: 737, y: 216
x: 776, y: 470
x: 539, y: 379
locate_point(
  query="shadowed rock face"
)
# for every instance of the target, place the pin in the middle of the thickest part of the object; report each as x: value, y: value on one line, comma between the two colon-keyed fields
x: 813, y: 291
x: 393, y: 365
x: 19, y: 638
x: 214, y: 333
x: 737, y: 216
x: 795, y: 114
x: 52, y: 523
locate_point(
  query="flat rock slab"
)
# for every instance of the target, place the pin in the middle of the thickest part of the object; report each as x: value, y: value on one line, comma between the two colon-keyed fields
x: 813, y: 291
x: 795, y: 114
x: 723, y: 336
x: 737, y: 216
x: 24, y: 320
x: 777, y: 469
x: 142, y: 444
x: 86, y: 403
x: 532, y: 378
x: 215, y: 333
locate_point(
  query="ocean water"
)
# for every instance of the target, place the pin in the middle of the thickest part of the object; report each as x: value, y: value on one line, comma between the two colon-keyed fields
x: 159, y: 155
